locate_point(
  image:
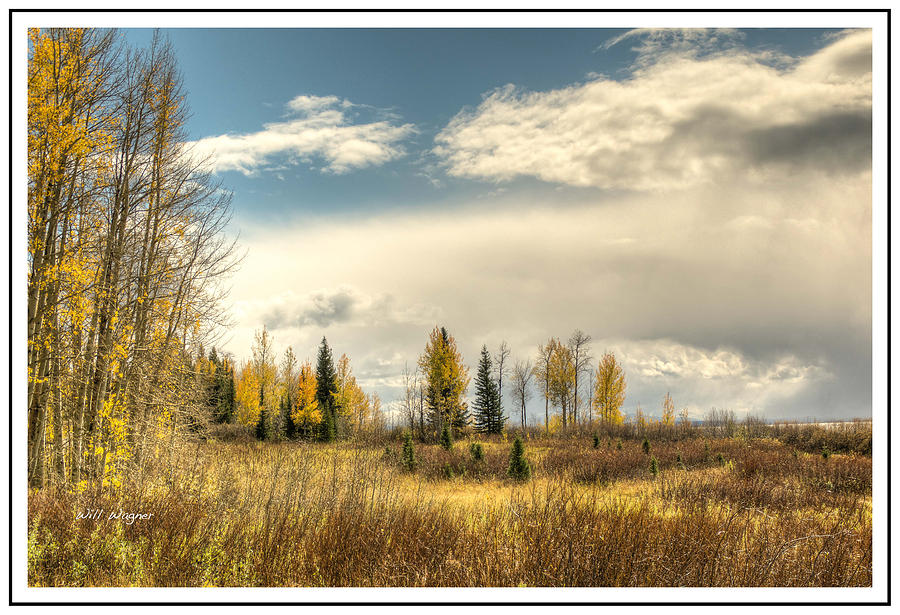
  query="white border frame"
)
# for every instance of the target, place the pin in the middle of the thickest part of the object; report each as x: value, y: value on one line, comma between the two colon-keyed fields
x: 877, y: 21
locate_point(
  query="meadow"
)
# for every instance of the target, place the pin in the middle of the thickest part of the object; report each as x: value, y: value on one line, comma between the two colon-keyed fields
x: 789, y: 506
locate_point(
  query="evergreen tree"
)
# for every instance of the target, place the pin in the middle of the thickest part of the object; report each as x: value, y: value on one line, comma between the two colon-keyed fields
x: 519, y: 468
x: 446, y: 438
x: 476, y: 451
x: 488, y: 413
x: 408, y: 455
x: 290, y: 429
x: 326, y: 427
x: 262, y: 428
x: 326, y: 388
x: 645, y: 445
x: 654, y: 467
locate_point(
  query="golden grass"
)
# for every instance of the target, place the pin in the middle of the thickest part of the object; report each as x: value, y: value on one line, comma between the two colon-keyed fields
x: 304, y: 514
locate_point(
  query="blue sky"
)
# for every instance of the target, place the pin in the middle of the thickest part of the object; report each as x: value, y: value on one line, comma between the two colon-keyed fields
x: 698, y: 201
x: 239, y: 80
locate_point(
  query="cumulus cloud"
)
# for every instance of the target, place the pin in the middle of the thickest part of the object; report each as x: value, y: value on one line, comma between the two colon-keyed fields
x: 692, y: 112
x: 317, y: 129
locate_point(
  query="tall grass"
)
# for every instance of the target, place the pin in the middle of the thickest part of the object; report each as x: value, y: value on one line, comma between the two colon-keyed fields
x: 289, y: 514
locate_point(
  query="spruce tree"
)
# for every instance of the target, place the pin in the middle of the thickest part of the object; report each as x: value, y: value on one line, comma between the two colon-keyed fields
x: 326, y: 387
x: 290, y: 430
x: 408, y: 455
x: 488, y: 413
x: 519, y: 468
x: 262, y: 429
x: 326, y: 427
x: 476, y: 450
x: 446, y: 438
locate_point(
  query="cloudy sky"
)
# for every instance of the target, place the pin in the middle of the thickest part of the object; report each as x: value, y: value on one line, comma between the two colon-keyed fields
x: 698, y: 201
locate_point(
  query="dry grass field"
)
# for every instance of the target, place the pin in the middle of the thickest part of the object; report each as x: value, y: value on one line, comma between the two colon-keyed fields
x: 734, y: 511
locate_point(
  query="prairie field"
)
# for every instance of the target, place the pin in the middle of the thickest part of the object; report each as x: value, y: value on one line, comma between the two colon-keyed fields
x: 791, y: 507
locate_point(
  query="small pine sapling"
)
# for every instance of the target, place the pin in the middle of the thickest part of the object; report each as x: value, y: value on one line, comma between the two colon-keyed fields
x: 446, y: 440
x: 476, y: 451
x: 518, y: 465
x: 646, y: 446
x: 654, y: 467
x: 408, y: 455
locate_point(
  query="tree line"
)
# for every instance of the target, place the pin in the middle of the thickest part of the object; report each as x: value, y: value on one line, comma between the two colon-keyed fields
x: 296, y: 400
x: 576, y: 391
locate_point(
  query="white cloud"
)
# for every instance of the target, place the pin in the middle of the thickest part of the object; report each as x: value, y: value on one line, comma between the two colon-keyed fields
x: 724, y: 377
x: 317, y: 129
x: 724, y: 296
x: 682, y: 119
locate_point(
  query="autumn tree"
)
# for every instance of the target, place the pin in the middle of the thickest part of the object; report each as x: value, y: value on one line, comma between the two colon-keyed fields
x: 353, y: 406
x: 306, y: 414
x: 668, y: 411
x: 247, y: 396
x: 488, y: 413
x: 543, y: 374
x: 609, y: 390
x: 581, y: 359
x: 562, y: 381
x: 521, y: 391
x: 446, y: 380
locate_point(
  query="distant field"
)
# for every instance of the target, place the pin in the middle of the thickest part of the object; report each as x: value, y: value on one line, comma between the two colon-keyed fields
x: 734, y: 511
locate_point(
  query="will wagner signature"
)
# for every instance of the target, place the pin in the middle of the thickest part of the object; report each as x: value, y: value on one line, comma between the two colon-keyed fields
x: 96, y: 514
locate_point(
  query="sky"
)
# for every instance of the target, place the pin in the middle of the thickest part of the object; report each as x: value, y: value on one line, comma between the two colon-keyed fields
x: 698, y: 201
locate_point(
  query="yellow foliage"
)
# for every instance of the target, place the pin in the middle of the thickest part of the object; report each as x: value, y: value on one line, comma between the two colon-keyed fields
x: 306, y: 413
x: 247, y: 387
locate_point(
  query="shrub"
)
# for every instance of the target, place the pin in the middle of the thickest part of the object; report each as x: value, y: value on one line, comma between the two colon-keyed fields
x: 518, y: 465
x: 721, y: 459
x: 645, y: 445
x: 619, y: 444
x: 654, y: 467
x: 476, y: 450
x: 596, y: 441
x: 408, y: 455
x: 447, y: 471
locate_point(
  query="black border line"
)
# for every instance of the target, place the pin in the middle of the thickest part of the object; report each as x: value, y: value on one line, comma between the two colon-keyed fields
x: 886, y: 602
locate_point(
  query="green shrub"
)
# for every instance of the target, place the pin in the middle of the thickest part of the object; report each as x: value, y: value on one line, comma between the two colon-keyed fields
x: 654, y: 467
x: 645, y: 445
x: 596, y: 441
